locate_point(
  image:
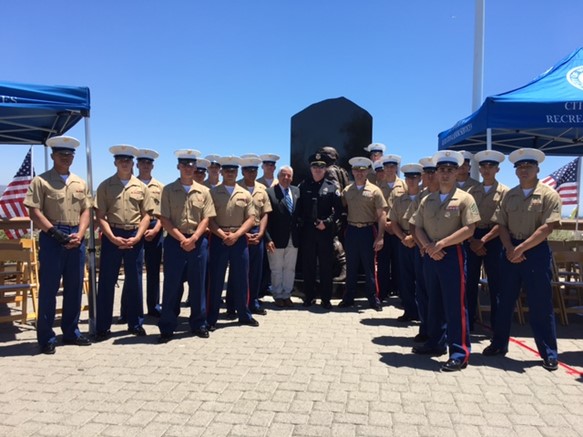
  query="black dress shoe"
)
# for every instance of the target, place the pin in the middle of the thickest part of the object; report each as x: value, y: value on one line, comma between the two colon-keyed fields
x: 165, y: 337
x: 78, y: 341
x: 231, y: 315
x: 425, y: 350
x: 345, y: 304
x: 201, y: 332
x: 250, y: 322
x: 492, y: 350
x: 48, y: 349
x: 376, y: 306
x: 121, y: 321
x: 404, y: 318
x: 308, y: 303
x: 260, y: 311
x: 420, y: 338
x: 551, y: 364
x: 102, y: 336
x: 326, y: 304
x: 155, y: 313
x: 138, y: 331
x: 453, y: 365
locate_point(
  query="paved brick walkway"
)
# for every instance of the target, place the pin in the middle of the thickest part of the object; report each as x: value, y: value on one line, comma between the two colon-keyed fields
x: 301, y: 373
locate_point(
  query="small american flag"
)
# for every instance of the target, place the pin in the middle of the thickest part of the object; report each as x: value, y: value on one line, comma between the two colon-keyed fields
x: 564, y: 180
x: 11, y: 202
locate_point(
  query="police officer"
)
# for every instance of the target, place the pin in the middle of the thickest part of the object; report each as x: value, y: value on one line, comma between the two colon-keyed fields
x: 484, y: 247
x: 123, y: 209
x: 463, y: 179
x: 153, y: 238
x: 185, y: 212
x: 235, y: 216
x: 442, y: 222
x: 255, y: 235
x: 366, y: 207
x: 526, y: 216
x: 268, y: 162
x: 317, y: 211
x: 408, y: 253
x: 59, y: 204
x: 388, y: 256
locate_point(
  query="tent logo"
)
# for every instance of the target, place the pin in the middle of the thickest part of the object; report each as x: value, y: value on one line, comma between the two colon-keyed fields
x: 575, y: 77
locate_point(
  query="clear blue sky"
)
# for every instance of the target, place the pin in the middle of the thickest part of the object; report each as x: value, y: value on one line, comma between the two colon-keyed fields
x: 226, y: 76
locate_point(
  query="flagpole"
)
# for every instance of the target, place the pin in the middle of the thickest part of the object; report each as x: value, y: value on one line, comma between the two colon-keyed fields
x: 578, y: 195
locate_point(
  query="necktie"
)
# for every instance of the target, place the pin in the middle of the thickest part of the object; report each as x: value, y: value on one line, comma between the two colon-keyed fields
x: 288, y: 201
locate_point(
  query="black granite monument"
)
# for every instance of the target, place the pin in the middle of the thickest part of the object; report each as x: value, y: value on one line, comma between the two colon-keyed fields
x: 339, y: 123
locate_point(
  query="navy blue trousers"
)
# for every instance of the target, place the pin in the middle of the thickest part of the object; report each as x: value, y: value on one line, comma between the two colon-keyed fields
x: 535, y: 275
x: 388, y: 266
x: 447, y: 318
x: 360, y: 252
x: 109, y: 266
x: 237, y: 258
x: 56, y: 262
x: 491, y: 263
x: 409, y: 269
x: 421, y: 292
x: 176, y: 261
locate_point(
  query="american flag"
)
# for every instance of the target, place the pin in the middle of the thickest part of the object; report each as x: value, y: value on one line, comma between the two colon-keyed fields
x: 564, y: 180
x: 11, y: 202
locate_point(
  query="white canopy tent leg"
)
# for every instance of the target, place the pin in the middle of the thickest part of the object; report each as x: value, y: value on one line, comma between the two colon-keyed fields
x: 91, y: 248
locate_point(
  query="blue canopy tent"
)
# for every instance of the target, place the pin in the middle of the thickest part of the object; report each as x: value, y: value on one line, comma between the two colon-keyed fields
x: 546, y: 114
x: 30, y: 114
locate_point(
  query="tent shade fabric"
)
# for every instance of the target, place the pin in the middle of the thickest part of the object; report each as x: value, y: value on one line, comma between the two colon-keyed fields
x: 30, y: 114
x: 545, y: 114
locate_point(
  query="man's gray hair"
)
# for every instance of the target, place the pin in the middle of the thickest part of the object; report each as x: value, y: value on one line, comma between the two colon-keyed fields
x: 285, y: 167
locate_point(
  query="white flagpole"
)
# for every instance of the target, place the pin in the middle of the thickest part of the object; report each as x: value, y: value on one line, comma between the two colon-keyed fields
x: 578, y: 195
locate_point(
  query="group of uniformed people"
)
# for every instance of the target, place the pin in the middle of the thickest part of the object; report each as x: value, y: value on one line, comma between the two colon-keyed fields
x: 424, y: 237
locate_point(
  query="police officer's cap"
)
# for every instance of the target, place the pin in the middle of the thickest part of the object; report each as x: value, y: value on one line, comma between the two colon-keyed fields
x: 360, y: 163
x: 489, y: 157
x: 187, y: 156
x: 376, y: 147
x: 319, y: 158
x: 214, y: 159
x: 228, y: 162
x: 427, y: 163
x: 63, y: 144
x: 123, y: 151
x: 519, y: 156
x: 202, y: 164
x: 412, y: 170
x: 269, y: 158
x: 148, y: 154
x: 377, y: 165
x: 448, y: 157
x: 250, y: 162
x: 391, y: 159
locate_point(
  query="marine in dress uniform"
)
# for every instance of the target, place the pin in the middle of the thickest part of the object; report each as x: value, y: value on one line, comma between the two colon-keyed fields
x: 442, y: 222
x: 59, y: 204
x: 268, y: 162
x: 153, y: 238
x: 484, y: 247
x: 185, y: 210
x: 409, y: 257
x: 235, y: 216
x: 366, y: 207
x: 376, y: 151
x: 317, y: 212
x: 463, y: 179
x: 202, y: 165
x: 526, y: 216
x: 388, y: 256
x: 255, y: 235
x: 123, y: 209
x: 213, y: 171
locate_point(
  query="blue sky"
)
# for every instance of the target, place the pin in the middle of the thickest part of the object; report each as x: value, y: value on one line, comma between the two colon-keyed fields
x: 225, y: 76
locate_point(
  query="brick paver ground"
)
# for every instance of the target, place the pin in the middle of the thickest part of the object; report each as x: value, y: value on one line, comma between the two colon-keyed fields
x: 301, y: 373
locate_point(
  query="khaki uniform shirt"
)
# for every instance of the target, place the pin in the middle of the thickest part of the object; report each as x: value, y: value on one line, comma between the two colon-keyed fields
x: 260, y: 200
x: 263, y: 181
x: 524, y: 215
x: 487, y: 202
x: 232, y: 209
x: 123, y: 205
x: 400, y: 205
x: 362, y: 204
x: 440, y: 220
x: 186, y: 210
x: 60, y: 202
x: 469, y: 183
x: 155, y: 187
x: 207, y: 184
x: 415, y: 203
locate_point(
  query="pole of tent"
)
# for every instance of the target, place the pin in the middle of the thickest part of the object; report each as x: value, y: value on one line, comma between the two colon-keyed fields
x: 91, y: 249
x: 478, y: 82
